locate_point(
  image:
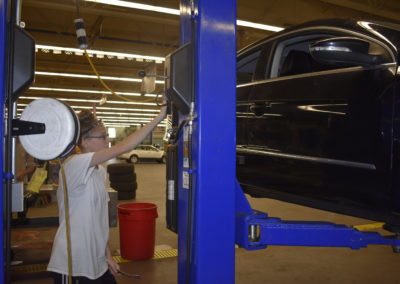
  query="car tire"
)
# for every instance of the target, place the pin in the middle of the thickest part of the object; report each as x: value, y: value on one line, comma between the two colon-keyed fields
x: 120, y: 169
x: 131, y: 177
x: 133, y: 159
x: 126, y: 195
x: 124, y: 186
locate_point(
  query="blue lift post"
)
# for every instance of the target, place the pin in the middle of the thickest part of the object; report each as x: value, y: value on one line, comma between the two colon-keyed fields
x: 213, y: 212
x: 206, y: 187
x: 3, y: 34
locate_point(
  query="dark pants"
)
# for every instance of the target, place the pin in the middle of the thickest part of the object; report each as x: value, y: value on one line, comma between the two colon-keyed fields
x: 106, y: 278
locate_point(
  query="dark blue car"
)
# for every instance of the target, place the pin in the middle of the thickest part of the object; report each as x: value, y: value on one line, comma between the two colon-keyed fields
x: 318, y: 118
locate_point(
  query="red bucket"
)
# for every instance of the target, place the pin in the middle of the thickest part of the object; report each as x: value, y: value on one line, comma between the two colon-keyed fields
x: 137, y: 230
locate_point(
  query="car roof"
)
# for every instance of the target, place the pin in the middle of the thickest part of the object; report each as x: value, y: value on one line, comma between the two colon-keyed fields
x: 387, y: 31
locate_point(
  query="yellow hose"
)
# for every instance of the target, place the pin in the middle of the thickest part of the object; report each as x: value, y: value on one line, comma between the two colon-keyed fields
x: 103, y: 83
x: 67, y: 227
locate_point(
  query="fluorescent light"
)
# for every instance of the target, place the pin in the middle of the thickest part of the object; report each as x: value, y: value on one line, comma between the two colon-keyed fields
x: 90, y: 91
x: 137, y: 6
x: 78, y: 51
x: 124, y: 119
x: 137, y: 80
x: 128, y: 124
x: 177, y: 12
x: 94, y: 101
x: 121, y: 125
x: 104, y: 114
x: 116, y: 118
x: 258, y: 26
x: 122, y: 114
x: 115, y: 108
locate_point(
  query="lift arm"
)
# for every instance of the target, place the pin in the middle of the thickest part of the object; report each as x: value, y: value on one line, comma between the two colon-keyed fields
x: 256, y: 230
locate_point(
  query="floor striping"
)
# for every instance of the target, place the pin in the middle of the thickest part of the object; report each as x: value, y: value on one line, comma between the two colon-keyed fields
x: 34, y: 268
x: 368, y: 227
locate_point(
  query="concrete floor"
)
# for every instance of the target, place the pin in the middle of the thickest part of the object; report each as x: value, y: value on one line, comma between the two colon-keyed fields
x: 375, y: 264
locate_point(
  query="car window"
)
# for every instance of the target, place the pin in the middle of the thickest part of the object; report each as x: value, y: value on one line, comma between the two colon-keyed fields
x: 246, y: 67
x: 292, y: 56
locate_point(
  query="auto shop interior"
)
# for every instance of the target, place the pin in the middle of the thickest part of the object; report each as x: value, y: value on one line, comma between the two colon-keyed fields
x: 277, y: 161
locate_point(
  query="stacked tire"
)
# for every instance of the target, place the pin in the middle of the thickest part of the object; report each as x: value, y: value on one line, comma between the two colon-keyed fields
x: 123, y: 179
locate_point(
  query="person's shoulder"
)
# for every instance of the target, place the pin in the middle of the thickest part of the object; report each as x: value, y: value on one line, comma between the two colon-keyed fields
x: 78, y: 158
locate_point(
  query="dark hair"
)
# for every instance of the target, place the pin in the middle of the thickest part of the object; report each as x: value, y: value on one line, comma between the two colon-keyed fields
x: 87, y: 123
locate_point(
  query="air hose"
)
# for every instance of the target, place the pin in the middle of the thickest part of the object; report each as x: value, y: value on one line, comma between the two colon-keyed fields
x: 82, y: 41
x: 67, y: 227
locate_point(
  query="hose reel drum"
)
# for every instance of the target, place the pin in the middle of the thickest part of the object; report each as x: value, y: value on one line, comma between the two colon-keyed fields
x: 62, y: 129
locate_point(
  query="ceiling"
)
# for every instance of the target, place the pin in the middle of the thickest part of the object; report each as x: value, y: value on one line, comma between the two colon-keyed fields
x: 134, y: 31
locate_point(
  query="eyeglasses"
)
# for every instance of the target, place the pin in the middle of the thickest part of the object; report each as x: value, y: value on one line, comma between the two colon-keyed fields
x: 98, y: 137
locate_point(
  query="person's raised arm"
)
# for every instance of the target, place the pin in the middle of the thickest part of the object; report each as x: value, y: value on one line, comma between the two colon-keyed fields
x: 129, y: 142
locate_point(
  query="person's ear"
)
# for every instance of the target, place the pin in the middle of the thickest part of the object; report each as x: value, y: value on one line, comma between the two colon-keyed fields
x: 84, y: 143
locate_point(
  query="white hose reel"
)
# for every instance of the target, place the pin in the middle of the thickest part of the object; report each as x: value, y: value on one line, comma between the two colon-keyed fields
x: 62, y: 129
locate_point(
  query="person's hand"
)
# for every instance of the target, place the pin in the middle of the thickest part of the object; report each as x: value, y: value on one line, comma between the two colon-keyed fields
x: 113, y: 266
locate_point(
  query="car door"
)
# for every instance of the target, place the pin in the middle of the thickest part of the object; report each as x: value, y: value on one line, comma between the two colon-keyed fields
x: 249, y: 65
x: 154, y: 153
x: 319, y: 132
x: 145, y: 152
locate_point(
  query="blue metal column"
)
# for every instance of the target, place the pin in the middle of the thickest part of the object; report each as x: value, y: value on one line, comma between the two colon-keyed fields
x: 3, y: 34
x: 207, y: 187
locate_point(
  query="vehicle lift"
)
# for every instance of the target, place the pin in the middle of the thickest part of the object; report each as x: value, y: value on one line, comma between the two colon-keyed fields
x: 205, y: 204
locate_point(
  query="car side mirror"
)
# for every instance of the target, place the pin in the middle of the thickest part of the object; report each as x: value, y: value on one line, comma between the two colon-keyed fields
x: 348, y: 51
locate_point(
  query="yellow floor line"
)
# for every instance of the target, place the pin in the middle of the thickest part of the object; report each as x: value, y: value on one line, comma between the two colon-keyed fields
x: 35, y: 268
x: 31, y: 268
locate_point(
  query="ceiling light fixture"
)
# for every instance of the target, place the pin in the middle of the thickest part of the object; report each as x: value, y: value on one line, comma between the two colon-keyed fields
x: 124, y: 120
x: 89, y: 91
x: 109, y: 54
x: 258, y: 26
x: 159, y: 9
x: 100, y: 108
x: 95, y: 101
x: 107, y: 114
x: 110, y: 124
x: 116, y: 118
x: 125, y: 79
x: 121, y: 114
x: 128, y: 113
x: 137, y: 6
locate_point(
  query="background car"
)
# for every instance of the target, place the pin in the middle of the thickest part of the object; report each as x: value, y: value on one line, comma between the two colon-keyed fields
x: 318, y: 112
x: 144, y: 152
